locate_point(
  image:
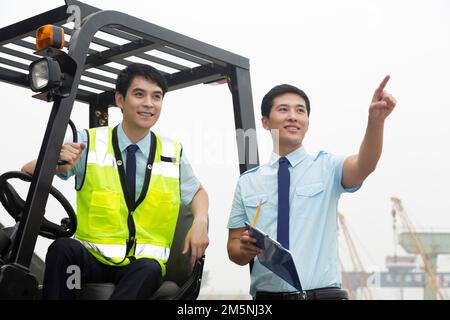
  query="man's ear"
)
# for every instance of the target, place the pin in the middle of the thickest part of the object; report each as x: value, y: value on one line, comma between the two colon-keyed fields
x: 265, y: 122
x: 119, y: 100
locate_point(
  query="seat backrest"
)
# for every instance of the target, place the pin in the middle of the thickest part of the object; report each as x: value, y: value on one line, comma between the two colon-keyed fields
x: 178, y: 265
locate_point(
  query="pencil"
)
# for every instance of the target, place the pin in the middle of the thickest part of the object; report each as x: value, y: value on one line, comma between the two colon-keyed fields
x: 257, y: 213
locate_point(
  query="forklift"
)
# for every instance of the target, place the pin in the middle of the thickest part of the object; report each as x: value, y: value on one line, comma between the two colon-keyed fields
x: 55, y: 73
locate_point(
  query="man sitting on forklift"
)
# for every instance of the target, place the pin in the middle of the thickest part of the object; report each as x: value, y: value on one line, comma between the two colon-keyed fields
x: 130, y: 184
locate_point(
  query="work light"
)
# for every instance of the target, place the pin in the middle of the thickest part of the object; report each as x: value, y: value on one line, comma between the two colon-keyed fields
x: 45, y: 74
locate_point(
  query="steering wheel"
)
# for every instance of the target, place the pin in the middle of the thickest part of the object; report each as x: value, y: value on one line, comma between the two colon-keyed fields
x: 14, y: 204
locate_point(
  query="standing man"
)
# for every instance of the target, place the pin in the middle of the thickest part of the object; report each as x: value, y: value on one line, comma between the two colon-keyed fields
x: 299, y: 194
x: 130, y: 184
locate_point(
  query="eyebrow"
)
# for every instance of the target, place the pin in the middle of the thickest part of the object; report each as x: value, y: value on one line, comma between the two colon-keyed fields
x: 140, y: 89
x: 286, y: 105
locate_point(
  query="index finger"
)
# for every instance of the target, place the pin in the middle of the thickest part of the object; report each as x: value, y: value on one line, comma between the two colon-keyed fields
x: 381, y: 87
x: 194, y: 256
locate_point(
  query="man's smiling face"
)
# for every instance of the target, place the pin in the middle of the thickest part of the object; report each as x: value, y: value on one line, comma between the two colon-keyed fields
x: 142, y: 104
x: 289, y: 118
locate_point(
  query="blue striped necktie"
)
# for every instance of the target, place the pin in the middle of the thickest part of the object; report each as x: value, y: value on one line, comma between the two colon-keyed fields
x: 131, y: 170
x: 284, y: 181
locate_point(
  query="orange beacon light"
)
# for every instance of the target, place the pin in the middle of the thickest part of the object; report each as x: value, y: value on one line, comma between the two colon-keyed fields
x: 49, y: 36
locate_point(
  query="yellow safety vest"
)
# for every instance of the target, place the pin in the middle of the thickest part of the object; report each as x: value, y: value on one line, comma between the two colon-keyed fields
x: 114, y: 229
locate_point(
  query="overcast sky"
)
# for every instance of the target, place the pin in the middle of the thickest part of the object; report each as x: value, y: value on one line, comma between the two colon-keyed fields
x: 337, y: 52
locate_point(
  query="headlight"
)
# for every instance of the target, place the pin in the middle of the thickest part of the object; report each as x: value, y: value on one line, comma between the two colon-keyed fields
x: 45, y: 74
x: 39, y: 75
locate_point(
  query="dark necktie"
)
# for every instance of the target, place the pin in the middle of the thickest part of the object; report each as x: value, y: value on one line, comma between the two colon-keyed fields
x: 131, y: 170
x: 284, y: 181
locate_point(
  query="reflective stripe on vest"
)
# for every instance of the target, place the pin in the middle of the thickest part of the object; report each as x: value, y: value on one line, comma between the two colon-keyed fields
x: 100, y: 155
x: 117, y: 251
x: 160, y: 253
x: 166, y: 169
x: 102, y: 209
x: 109, y: 251
x: 100, y: 159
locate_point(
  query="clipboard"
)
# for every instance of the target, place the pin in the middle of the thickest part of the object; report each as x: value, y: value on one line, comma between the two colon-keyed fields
x: 275, y: 258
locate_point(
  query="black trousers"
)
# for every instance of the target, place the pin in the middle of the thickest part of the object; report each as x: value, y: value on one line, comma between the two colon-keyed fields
x: 138, y: 280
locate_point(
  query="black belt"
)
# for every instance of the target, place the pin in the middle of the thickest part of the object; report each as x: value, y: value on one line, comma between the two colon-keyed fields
x: 316, y: 294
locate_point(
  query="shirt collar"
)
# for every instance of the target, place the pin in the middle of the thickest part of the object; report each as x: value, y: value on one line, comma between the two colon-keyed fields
x: 295, y: 157
x: 124, y: 141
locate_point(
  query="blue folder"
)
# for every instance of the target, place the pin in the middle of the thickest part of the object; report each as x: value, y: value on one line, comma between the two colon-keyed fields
x: 275, y: 258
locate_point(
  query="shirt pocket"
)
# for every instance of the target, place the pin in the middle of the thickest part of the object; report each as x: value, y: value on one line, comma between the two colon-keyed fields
x: 308, y: 199
x: 251, y: 203
x: 158, y: 217
x: 310, y: 190
x: 104, y: 218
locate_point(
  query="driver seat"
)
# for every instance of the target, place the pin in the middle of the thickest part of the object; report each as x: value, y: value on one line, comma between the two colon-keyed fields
x: 180, y: 282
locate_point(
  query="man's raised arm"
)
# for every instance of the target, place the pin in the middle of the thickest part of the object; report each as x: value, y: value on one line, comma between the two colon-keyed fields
x: 357, y: 167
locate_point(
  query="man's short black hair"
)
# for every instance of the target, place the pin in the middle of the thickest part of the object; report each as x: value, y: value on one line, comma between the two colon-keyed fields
x: 267, y: 101
x: 133, y: 70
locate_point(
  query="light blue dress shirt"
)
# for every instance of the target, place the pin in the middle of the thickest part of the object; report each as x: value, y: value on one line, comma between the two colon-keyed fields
x: 314, y: 192
x: 189, y: 184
